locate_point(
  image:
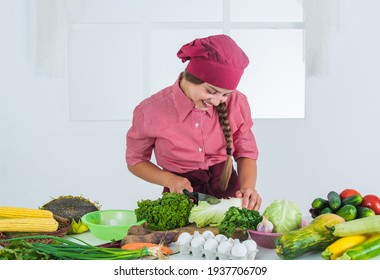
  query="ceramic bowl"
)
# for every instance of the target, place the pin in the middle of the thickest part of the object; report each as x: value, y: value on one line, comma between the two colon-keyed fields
x: 264, y: 239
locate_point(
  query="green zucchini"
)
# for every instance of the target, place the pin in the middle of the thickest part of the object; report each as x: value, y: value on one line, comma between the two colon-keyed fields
x: 366, y: 225
x: 364, y: 251
x: 319, y: 203
x: 355, y: 200
x: 316, y: 236
x: 334, y: 200
x: 364, y: 212
x: 347, y: 212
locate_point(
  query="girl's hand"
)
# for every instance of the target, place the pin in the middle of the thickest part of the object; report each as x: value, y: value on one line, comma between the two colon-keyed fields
x: 177, y: 184
x: 250, y: 198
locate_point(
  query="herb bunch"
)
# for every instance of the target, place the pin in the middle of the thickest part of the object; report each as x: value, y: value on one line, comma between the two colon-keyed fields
x: 237, y: 218
x: 170, y: 211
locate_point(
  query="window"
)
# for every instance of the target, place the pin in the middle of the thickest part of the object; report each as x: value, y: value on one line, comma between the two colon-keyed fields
x: 121, y: 52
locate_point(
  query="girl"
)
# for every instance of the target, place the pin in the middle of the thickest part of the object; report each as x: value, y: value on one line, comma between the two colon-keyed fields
x: 197, y: 125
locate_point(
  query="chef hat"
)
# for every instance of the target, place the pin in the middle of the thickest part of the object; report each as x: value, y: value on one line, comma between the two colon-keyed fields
x: 216, y: 60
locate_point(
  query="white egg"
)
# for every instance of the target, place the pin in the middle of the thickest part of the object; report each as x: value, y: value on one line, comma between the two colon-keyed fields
x: 239, y: 250
x: 184, y: 238
x: 250, y: 244
x: 198, y: 241
x: 225, y: 247
x: 211, y: 244
x: 220, y: 238
x: 207, y: 234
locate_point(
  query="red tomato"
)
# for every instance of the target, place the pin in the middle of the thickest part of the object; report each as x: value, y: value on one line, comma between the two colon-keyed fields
x: 348, y: 192
x: 372, y: 201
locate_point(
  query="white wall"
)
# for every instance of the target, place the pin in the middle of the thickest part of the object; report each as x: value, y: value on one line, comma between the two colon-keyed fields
x: 43, y: 154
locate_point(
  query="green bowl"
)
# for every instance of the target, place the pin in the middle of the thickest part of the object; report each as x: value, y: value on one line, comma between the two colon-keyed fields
x: 110, y: 224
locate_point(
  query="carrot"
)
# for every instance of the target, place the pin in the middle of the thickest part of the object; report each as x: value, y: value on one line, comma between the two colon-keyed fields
x: 141, y: 245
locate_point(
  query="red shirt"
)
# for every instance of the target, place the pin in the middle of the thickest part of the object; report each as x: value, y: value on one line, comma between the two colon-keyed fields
x: 184, y: 138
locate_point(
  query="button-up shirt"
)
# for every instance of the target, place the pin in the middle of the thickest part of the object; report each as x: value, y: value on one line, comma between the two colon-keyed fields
x: 185, y: 138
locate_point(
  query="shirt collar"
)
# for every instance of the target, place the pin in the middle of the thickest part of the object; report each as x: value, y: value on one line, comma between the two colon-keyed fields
x: 183, y: 104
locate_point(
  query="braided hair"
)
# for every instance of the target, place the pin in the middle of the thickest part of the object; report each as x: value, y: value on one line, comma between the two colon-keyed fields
x: 223, y: 120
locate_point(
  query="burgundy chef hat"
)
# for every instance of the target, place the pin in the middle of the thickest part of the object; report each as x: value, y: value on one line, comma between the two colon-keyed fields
x: 216, y: 60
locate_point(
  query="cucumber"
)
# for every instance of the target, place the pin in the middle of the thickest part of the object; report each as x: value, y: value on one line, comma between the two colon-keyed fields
x: 319, y: 203
x: 355, y: 200
x: 347, y: 212
x: 326, y: 210
x: 364, y: 212
x: 334, y: 200
x: 364, y: 251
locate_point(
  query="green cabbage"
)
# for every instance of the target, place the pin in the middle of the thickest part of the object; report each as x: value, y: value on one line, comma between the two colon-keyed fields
x: 205, y: 214
x: 284, y: 215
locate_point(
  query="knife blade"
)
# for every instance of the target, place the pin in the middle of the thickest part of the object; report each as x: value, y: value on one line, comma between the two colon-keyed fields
x: 197, y: 196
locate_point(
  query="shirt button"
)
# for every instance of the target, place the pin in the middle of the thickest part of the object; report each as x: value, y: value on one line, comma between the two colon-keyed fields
x: 200, y: 149
x: 197, y: 125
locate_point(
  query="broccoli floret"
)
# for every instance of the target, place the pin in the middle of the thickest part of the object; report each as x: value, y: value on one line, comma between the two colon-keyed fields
x: 170, y: 211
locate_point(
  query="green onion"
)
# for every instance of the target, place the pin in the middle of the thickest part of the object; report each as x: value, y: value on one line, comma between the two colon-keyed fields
x: 64, y: 249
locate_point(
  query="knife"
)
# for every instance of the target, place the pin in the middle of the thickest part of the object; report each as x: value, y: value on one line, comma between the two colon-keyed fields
x: 197, y: 196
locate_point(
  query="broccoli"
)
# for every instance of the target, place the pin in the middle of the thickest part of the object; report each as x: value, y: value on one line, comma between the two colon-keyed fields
x: 170, y: 211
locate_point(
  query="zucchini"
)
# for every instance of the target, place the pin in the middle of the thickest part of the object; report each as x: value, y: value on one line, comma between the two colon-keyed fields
x: 347, y: 212
x: 334, y: 200
x: 316, y: 236
x: 364, y: 251
x: 355, y: 200
x: 337, y: 248
x: 319, y: 203
x: 366, y: 225
x: 364, y: 212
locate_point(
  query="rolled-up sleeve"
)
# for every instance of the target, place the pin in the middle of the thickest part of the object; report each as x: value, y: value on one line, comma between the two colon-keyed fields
x: 139, y: 143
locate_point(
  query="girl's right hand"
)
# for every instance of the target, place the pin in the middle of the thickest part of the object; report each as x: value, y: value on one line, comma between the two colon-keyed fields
x: 177, y: 184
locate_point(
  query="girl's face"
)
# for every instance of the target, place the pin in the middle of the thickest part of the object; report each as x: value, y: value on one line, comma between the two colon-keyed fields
x: 206, y: 95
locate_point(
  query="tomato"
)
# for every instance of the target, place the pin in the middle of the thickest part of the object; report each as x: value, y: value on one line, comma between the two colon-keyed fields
x: 373, y: 202
x: 348, y: 192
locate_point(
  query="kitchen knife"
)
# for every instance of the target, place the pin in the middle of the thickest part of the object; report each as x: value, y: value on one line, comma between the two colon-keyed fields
x: 197, y: 196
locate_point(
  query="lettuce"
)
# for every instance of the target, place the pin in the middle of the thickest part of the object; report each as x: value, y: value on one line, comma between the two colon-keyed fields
x: 284, y: 215
x: 205, y: 214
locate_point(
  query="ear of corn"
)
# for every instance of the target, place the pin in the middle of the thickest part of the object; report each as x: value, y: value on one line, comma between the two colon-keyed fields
x: 19, y: 212
x: 337, y: 248
x: 28, y: 225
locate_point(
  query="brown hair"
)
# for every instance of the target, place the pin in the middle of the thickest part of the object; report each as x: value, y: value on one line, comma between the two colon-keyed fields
x: 223, y: 120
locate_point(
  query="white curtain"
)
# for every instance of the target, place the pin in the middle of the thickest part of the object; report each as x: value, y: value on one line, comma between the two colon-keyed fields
x: 52, y: 23
x: 321, y: 19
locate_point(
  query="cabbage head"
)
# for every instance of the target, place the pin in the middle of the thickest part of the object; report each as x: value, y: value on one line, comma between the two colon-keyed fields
x: 285, y: 215
x: 205, y: 214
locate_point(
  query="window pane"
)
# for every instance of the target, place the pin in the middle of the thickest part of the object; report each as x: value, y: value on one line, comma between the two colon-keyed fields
x: 266, y: 10
x: 186, y: 11
x: 275, y: 79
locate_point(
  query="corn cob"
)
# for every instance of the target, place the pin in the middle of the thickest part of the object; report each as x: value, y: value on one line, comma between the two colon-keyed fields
x: 19, y: 212
x: 28, y: 225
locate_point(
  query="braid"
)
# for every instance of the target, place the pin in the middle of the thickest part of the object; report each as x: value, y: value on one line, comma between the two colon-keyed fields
x: 223, y: 119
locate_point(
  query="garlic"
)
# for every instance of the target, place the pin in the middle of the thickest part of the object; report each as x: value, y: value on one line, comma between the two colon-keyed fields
x: 265, y: 225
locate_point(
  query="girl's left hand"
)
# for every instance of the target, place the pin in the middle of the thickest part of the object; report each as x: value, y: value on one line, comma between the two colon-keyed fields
x: 250, y: 198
